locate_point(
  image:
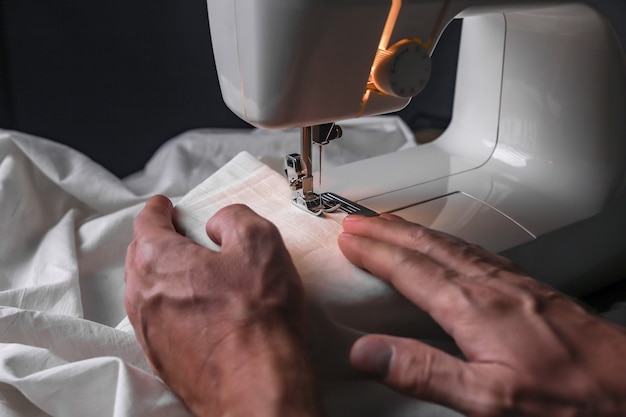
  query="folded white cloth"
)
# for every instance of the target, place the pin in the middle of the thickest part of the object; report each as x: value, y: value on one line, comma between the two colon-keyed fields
x: 351, y: 296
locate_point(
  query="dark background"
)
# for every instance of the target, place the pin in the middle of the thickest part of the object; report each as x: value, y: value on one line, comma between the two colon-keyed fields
x: 115, y: 79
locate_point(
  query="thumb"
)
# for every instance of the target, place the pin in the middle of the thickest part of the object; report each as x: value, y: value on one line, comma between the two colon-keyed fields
x: 416, y: 369
x: 229, y: 223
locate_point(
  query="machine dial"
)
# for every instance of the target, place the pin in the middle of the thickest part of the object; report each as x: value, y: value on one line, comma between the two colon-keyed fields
x: 402, y: 70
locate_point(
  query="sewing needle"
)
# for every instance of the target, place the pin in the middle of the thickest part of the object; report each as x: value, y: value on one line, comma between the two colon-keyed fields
x: 320, y: 165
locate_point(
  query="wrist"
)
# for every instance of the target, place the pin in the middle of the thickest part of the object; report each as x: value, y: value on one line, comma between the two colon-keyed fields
x: 258, y: 370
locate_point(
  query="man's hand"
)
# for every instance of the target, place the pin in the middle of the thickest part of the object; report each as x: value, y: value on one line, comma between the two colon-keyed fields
x: 223, y: 329
x: 529, y: 350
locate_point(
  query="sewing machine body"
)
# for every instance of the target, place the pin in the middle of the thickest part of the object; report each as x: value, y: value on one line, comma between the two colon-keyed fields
x: 533, y: 163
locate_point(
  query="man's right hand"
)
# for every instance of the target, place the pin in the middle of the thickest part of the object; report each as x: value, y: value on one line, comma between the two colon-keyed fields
x: 529, y: 350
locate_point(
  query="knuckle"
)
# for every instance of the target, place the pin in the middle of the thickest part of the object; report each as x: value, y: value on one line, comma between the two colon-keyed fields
x: 492, y: 295
x: 456, y: 301
x: 494, y: 406
x: 530, y: 303
x: 418, y: 375
x: 246, y: 223
x: 258, y: 234
x: 497, y: 395
x: 499, y: 402
x: 260, y: 227
x: 145, y: 255
x: 478, y: 262
x: 420, y: 237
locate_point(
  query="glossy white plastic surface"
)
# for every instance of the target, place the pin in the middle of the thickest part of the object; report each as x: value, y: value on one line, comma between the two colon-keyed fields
x: 281, y: 63
x: 538, y: 136
x: 468, y: 142
x: 554, y: 151
x: 537, y: 142
x: 468, y: 219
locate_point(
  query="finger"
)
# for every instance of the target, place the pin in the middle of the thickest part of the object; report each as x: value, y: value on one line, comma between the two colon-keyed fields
x: 154, y: 231
x: 238, y: 226
x: 156, y: 215
x: 472, y: 250
x: 418, y: 277
x: 393, y: 217
x: 224, y: 221
x: 393, y: 229
x: 157, y: 248
x: 422, y: 371
x: 448, y: 250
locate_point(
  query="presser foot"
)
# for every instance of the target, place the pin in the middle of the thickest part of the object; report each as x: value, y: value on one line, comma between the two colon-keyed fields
x: 312, y: 203
x: 299, y: 173
x: 318, y: 205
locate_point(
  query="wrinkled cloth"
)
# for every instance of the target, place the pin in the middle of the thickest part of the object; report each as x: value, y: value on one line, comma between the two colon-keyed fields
x: 66, y: 347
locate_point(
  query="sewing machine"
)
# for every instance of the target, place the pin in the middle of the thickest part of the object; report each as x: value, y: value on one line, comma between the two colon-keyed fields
x: 533, y: 162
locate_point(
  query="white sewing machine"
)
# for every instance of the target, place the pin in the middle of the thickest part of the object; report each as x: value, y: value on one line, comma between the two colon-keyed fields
x: 533, y: 162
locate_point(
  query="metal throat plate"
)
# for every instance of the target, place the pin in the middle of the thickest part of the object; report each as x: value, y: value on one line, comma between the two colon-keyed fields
x: 330, y: 200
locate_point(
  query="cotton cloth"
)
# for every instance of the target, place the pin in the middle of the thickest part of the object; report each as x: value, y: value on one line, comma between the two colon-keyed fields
x: 352, y: 297
x: 66, y: 348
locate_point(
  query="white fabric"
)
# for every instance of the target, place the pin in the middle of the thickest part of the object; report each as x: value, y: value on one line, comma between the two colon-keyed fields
x: 351, y: 296
x: 65, y: 346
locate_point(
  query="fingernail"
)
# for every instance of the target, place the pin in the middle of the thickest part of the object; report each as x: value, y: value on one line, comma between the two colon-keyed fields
x: 392, y: 217
x: 372, y: 357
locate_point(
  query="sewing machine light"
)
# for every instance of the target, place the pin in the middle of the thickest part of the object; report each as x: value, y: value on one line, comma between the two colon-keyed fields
x: 402, y: 70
